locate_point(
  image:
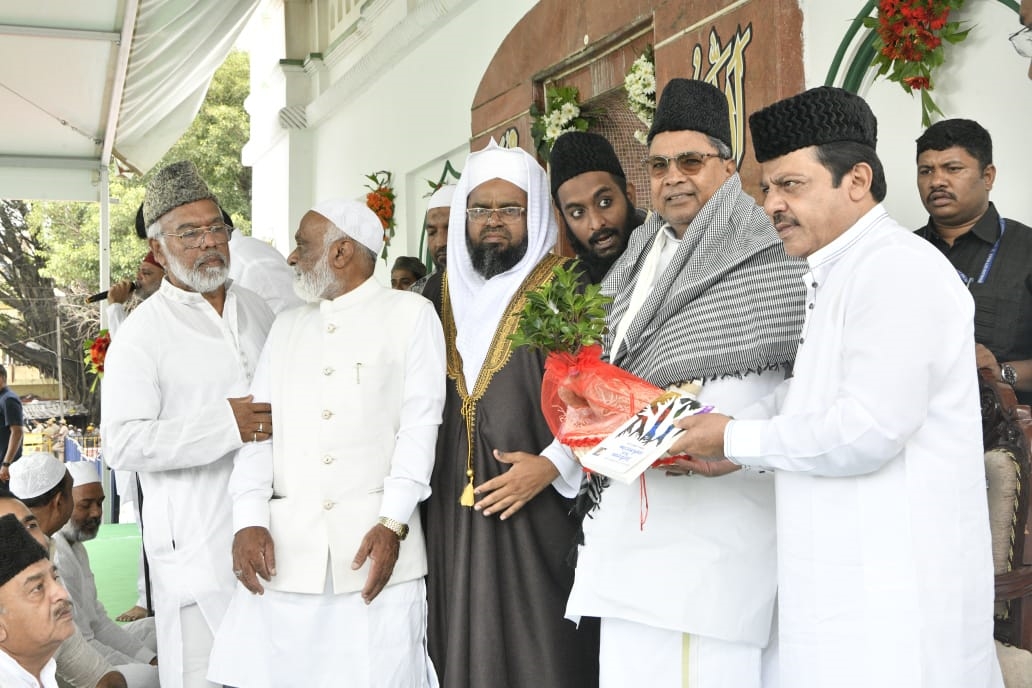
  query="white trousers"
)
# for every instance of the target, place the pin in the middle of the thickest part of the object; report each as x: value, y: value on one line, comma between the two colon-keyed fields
x: 197, y: 642
x: 330, y: 640
x: 633, y: 654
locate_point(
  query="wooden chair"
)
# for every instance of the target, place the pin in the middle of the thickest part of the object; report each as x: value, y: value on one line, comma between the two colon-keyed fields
x: 1007, y: 436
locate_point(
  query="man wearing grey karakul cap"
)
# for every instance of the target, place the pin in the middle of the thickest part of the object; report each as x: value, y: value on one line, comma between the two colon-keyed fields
x: 175, y: 410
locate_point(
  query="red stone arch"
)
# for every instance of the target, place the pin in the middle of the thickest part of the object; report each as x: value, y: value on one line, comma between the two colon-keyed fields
x: 750, y: 48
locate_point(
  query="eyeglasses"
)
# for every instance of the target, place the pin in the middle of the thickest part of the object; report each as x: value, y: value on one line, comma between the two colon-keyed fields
x: 1022, y: 42
x: 194, y: 238
x: 689, y: 163
x: 509, y: 214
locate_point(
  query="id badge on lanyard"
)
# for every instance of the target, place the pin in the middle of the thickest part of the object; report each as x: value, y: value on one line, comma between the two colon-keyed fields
x: 984, y: 274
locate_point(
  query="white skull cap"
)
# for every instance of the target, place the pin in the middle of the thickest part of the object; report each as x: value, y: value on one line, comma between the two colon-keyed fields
x: 34, y: 474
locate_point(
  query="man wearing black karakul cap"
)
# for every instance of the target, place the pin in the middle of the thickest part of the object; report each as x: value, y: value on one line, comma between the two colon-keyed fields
x: 885, y: 572
x: 704, y: 293
x: 594, y: 199
x: 35, y: 612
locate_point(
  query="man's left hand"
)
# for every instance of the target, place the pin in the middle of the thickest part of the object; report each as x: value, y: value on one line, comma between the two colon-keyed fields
x: 5, y: 474
x: 703, y: 436
x: 510, y: 492
x: 380, y: 544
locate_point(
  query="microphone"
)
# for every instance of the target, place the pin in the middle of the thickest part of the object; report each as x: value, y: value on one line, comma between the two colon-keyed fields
x: 101, y: 295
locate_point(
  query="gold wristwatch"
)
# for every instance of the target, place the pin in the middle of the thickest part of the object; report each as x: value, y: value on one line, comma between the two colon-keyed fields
x: 397, y: 527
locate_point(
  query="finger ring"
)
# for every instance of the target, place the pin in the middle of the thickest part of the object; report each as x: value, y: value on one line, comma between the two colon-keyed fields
x: 238, y: 572
x: 690, y: 473
x: 259, y: 427
x: 254, y: 437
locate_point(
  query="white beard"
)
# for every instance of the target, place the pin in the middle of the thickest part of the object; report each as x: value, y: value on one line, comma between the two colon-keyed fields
x: 202, y: 280
x: 313, y: 285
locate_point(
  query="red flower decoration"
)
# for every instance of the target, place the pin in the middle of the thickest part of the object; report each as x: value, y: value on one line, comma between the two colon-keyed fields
x: 96, y: 353
x: 380, y: 200
x: 909, y: 37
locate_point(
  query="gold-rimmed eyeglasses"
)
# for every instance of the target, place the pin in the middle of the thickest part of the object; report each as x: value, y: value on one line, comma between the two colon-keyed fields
x: 689, y: 162
x: 194, y: 238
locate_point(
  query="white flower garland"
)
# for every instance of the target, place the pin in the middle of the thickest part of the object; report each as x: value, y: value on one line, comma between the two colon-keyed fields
x: 640, y: 85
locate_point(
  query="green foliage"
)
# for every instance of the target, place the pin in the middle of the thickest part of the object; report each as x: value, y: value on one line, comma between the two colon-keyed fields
x: 70, y: 232
x: 560, y: 316
x: 217, y: 136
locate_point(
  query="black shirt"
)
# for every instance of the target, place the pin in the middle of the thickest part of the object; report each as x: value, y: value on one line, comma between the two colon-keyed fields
x: 1003, y: 303
x: 10, y: 414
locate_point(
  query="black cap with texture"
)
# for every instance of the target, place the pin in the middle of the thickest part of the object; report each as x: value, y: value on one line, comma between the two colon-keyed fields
x: 577, y: 152
x: 821, y: 115
x: 18, y: 549
x: 692, y: 105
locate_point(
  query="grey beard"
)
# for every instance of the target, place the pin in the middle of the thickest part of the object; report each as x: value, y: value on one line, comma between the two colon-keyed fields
x: 81, y: 535
x: 313, y: 285
x: 201, y: 280
x: 490, y: 261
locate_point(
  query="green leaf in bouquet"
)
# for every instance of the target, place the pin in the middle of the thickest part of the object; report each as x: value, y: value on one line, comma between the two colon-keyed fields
x: 563, y: 314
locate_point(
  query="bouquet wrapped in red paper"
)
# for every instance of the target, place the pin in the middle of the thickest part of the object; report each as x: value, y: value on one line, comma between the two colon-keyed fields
x: 583, y: 398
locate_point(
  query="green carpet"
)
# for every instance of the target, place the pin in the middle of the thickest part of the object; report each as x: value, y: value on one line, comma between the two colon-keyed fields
x: 114, y: 554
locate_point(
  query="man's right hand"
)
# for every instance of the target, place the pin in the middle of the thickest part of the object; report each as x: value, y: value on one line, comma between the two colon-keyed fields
x: 119, y: 293
x: 253, y: 420
x: 253, y: 556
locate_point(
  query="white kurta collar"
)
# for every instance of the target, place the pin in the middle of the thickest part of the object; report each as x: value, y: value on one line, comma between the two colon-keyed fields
x: 193, y: 298
x: 841, y: 244
x: 360, y: 294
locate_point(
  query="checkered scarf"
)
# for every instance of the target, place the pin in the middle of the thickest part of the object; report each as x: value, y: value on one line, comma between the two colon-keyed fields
x: 729, y: 303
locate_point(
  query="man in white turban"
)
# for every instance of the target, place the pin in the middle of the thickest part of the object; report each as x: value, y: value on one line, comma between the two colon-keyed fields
x: 498, y: 532
x: 329, y: 545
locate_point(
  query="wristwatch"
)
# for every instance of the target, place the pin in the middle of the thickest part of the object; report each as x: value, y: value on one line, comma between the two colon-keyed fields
x: 1009, y: 375
x: 397, y: 527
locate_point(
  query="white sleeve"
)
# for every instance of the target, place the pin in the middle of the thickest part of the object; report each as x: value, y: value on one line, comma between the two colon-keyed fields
x: 887, y: 373
x: 137, y: 439
x: 415, y: 445
x: 568, y: 482
x: 115, y: 317
x: 250, y: 485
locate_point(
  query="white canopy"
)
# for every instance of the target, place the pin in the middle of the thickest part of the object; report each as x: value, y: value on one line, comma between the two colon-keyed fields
x: 82, y: 83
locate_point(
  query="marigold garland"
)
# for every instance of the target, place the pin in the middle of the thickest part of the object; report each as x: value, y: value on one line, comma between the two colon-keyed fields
x: 380, y: 200
x: 909, y: 44
x: 95, y: 351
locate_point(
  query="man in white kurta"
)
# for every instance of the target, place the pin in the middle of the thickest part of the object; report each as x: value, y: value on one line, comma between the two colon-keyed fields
x: 681, y: 569
x: 175, y: 411
x: 131, y: 649
x: 326, y: 512
x: 884, y: 568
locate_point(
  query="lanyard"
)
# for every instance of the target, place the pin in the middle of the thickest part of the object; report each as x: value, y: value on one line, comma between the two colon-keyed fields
x: 988, y: 261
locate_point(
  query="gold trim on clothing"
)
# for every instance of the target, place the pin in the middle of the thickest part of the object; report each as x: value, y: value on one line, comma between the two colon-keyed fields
x: 498, y: 353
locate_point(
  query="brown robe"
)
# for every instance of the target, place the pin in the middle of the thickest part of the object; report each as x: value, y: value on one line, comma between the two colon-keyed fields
x: 497, y: 590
